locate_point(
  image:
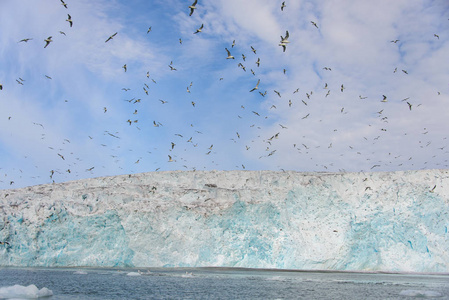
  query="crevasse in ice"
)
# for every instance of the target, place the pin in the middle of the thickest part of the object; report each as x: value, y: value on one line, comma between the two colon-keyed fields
x: 386, y: 221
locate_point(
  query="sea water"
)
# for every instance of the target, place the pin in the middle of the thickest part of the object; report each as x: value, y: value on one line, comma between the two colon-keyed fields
x: 214, y: 283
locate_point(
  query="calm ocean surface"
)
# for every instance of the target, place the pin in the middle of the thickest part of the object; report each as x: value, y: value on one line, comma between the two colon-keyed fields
x: 218, y: 283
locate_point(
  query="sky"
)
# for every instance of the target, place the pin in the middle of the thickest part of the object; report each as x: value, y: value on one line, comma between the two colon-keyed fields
x: 362, y: 86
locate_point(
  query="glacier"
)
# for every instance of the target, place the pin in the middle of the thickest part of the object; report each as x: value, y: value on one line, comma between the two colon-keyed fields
x: 379, y: 221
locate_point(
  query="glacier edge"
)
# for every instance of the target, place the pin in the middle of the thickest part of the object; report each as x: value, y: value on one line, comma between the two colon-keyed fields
x: 382, y: 221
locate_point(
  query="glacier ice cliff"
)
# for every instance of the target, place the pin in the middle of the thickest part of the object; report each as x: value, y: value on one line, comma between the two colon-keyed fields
x: 386, y: 221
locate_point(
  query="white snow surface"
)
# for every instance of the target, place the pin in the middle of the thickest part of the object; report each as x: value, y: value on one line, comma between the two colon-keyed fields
x: 382, y: 221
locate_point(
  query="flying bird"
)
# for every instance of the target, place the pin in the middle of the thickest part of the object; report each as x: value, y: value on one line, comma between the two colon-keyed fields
x: 171, y: 67
x: 256, y: 87
x: 25, y: 40
x: 149, y: 29
x: 48, y: 41
x: 124, y: 67
x: 229, y: 54
x: 192, y: 7
x: 199, y: 29
x: 69, y: 19
x: 63, y: 3
x: 111, y: 37
x: 283, y: 5
x: 284, y: 40
x: 314, y: 24
x: 254, y: 50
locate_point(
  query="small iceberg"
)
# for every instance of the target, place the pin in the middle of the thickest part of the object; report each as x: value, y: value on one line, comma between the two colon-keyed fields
x: 24, y: 292
x: 133, y: 274
x: 187, y: 275
x: 419, y: 293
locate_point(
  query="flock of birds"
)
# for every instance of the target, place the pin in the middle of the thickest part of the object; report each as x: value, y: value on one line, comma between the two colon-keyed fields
x: 269, y: 142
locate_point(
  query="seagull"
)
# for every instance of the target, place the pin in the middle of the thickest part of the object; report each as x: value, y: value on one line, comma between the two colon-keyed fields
x: 394, y: 41
x: 314, y: 24
x: 124, y: 67
x: 25, y: 40
x: 4, y: 243
x: 169, y: 157
x: 436, y: 35
x: 62, y: 32
x: 252, y: 49
x: 110, y: 38
x: 342, y: 88
x: 229, y: 54
x: 192, y: 7
x: 256, y: 87
x: 233, y: 44
x: 284, y: 40
x: 283, y: 5
x: 384, y: 98
x: 199, y: 29
x: 48, y: 41
x: 149, y: 29
x: 244, y: 57
x: 69, y: 19
x: 409, y: 105
x: 258, y: 62
x: 63, y: 3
